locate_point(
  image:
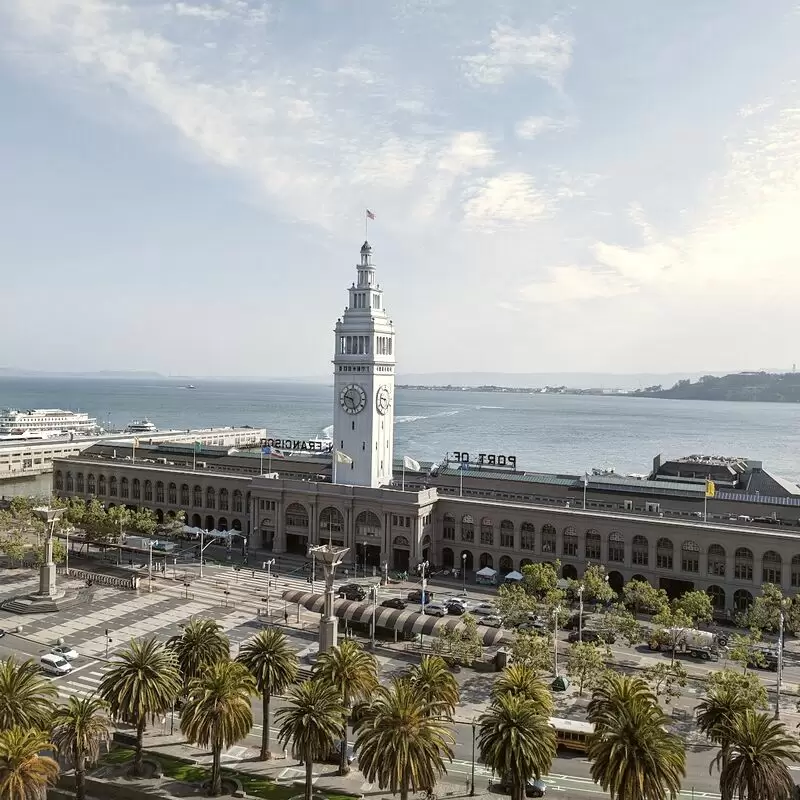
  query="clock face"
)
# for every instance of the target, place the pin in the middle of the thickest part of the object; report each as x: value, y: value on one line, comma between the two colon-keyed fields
x: 353, y: 398
x: 383, y: 400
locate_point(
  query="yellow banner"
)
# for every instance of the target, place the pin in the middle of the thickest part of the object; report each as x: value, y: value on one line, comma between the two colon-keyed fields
x: 711, y: 489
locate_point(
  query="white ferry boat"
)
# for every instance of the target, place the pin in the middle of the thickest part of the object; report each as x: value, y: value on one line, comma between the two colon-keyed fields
x: 45, y: 421
x: 141, y: 426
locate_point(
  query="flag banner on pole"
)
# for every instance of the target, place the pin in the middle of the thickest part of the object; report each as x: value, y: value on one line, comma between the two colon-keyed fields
x: 198, y: 446
x: 586, y: 479
x: 343, y: 458
x: 135, y: 442
x: 409, y: 463
x: 711, y: 489
x: 271, y: 451
x: 370, y: 215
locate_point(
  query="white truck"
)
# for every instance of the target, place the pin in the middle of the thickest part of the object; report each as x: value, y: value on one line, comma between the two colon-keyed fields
x: 697, y: 644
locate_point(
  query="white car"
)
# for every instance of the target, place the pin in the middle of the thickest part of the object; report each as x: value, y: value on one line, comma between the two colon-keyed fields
x: 484, y: 610
x: 65, y: 651
x: 491, y: 621
x: 435, y: 610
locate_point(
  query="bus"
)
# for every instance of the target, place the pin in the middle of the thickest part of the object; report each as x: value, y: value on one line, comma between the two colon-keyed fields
x: 572, y: 734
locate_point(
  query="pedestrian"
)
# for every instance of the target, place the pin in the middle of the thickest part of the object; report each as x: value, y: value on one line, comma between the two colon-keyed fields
x: 285, y: 753
x: 286, y: 617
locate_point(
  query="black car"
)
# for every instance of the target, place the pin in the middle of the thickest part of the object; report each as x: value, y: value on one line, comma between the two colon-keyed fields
x: 456, y: 609
x: 532, y: 788
x: 415, y: 596
x: 592, y: 637
x: 394, y: 602
x: 352, y: 591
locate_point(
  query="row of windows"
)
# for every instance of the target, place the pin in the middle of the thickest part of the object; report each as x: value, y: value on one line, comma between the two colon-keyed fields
x: 355, y: 345
x: 384, y: 345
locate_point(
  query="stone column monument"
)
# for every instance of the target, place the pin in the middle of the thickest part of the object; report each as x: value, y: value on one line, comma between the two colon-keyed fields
x: 330, y: 557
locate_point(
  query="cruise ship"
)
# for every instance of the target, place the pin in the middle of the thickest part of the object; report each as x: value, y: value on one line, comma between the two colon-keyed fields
x: 44, y: 422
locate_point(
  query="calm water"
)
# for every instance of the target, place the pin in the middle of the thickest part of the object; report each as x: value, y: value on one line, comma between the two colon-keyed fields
x: 545, y: 432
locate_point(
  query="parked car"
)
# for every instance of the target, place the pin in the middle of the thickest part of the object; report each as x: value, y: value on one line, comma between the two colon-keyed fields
x: 592, y: 637
x: 415, y: 596
x: 462, y: 601
x: 394, y: 602
x: 456, y: 609
x: 484, y: 609
x: 532, y: 788
x: 531, y: 627
x: 491, y: 621
x: 352, y: 591
x: 55, y: 665
x: 435, y: 610
x: 65, y: 651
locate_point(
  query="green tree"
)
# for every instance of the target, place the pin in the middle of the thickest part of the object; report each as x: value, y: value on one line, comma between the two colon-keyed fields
x: 614, y: 695
x: 516, y: 741
x: 534, y: 650
x: 24, y: 773
x: 460, y: 645
x: 521, y: 680
x: 201, y: 645
x: 696, y: 605
x: 754, y: 761
x: 666, y: 680
x: 141, y: 683
x: 26, y: 696
x: 274, y: 666
x: 514, y: 604
x: 143, y: 521
x: 117, y: 522
x: 94, y: 521
x: 596, y: 588
x: 751, y: 691
x: 311, y: 721
x: 59, y: 553
x: 403, y: 740
x: 619, y: 622
x: 745, y: 650
x: 75, y: 509
x: 671, y: 626
x: 586, y: 664
x: 14, y: 546
x: 218, y: 712
x: 353, y: 672
x: 436, y: 685
x: 642, y: 596
x: 6, y: 521
x: 540, y: 579
x: 79, y: 728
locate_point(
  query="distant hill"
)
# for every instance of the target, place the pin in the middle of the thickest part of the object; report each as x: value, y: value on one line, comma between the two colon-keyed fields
x: 751, y: 387
x: 14, y: 372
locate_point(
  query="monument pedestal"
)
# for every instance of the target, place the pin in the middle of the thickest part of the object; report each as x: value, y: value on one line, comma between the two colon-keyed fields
x: 330, y: 556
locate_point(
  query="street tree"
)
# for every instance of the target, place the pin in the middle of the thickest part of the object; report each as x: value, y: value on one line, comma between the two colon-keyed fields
x: 26, y: 696
x: 586, y: 665
x: 666, y: 680
x: 671, y: 626
x: 644, y: 597
x: 745, y: 650
x: 696, y: 605
x: 25, y: 773
x: 596, y: 588
x: 436, y: 684
x: 13, y: 546
x: 514, y: 604
x: 59, y: 553
x: 750, y: 691
x: 520, y: 680
x: 764, y: 613
x: 201, y: 644
x: 143, y: 521
x: 6, y: 522
x: 534, y: 650
x: 117, y: 522
x: 620, y: 623
x: 460, y: 645
x: 541, y: 579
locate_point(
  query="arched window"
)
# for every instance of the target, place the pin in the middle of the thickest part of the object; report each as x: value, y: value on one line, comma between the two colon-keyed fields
x: 716, y: 560
x: 486, y: 560
x: 795, y: 571
x: 664, y: 553
x: 184, y: 494
x: 123, y: 488
x: 487, y: 532
x: 449, y: 527
x: 112, y: 485
x: 197, y: 497
x: 101, y: 485
x: 70, y: 483
x: 527, y: 535
x: 592, y: 545
x: 172, y: 494
x: 330, y: 521
x: 91, y: 487
x: 368, y: 524
x: 616, y: 547
x: 400, y: 541
x: 59, y: 479
x: 640, y: 551
x: 771, y: 567
x: 137, y: 490
x: 159, y: 491
x: 79, y: 482
x: 743, y: 564
x: 237, y: 501
x: 548, y: 539
x: 148, y: 491
x: 717, y: 595
x: 467, y: 528
x: 296, y: 516
x: 507, y: 534
x: 211, y: 497
x: 223, y: 499
x: 690, y: 556
x: 742, y: 599
x: 506, y: 564
x: 570, y: 546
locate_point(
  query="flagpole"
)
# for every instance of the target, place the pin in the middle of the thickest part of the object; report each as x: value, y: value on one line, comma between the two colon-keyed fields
x: 585, y: 484
x: 403, y: 487
x: 270, y: 460
x: 461, y: 479
x: 334, y: 466
x: 261, y: 463
x: 194, y: 458
x: 133, y: 459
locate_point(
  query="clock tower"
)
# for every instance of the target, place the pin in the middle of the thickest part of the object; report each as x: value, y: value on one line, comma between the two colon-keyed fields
x: 363, y: 364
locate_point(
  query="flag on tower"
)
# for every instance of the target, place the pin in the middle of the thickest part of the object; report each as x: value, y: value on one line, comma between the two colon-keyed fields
x: 409, y: 463
x: 370, y: 215
x: 272, y: 452
x: 343, y: 458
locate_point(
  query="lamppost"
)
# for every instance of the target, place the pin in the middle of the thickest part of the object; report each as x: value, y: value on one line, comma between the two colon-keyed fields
x: 373, y: 590
x: 556, y: 612
x: 580, y: 612
x: 784, y: 604
x: 422, y: 567
x: 269, y: 581
x: 150, y: 568
x: 66, y: 553
x: 464, y: 572
x: 472, y: 773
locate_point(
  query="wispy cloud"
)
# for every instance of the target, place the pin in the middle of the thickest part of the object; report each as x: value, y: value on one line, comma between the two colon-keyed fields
x: 512, y: 198
x: 547, y: 54
x: 531, y: 127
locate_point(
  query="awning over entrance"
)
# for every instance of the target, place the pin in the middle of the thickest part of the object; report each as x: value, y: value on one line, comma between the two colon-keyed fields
x: 391, y: 618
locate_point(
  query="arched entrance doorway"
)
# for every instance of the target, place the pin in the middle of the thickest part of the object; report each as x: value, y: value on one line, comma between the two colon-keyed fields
x: 296, y: 519
x: 401, y: 553
x: 210, y: 523
x: 196, y: 521
x: 447, y: 558
x: 222, y: 524
x: 467, y: 563
x: 568, y: 572
x: 331, y: 526
x: 486, y: 561
x: 616, y: 581
x: 717, y: 595
x: 506, y: 565
x: 742, y: 600
x: 267, y: 534
x: 159, y: 516
x: 426, y: 547
x: 369, y: 534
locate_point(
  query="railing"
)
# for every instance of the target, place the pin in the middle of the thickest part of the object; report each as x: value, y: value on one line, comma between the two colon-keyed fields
x: 100, y: 579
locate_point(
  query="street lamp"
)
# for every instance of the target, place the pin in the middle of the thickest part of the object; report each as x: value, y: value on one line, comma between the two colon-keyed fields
x: 472, y: 777
x: 269, y: 583
x: 464, y: 572
x: 784, y: 604
x: 150, y: 568
x: 580, y: 612
x: 422, y: 567
x: 373, y: 590
x: 556, y: 612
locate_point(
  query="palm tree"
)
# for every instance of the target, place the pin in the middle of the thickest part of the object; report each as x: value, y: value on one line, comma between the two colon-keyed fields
x: 273, y: 664
x: 26, y: 696
x: 755, y: 758
x: 24, y: 774
x: 354, y: 674
x: 615, y: 695
x: 633, y: 756
x: 403, y: 739
x: 516, y: 741
x: 435, y: 683
x: 312, y: 721
x: 78, y: 729
x: 521, y: 680
x: 143, y: 682
x: 201, y: 644
x: 218, y: 712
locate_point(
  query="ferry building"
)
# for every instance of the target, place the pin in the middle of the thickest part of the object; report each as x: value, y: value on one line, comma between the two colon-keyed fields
x: 470, y: 511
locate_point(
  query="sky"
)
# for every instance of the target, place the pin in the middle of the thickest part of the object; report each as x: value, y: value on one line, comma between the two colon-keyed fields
x: 586, y: 186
